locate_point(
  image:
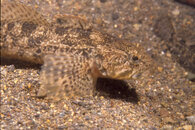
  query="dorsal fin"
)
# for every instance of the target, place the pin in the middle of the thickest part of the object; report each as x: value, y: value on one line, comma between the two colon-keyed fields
x: 13, y: 12
x: 71, y: 21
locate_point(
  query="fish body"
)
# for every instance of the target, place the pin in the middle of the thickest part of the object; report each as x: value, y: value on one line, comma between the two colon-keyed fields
x: 73, y: 54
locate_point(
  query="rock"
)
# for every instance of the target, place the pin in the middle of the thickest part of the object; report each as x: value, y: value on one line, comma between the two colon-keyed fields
x: 191, y: 119
x: 168, y: 120
x: 11, y: 68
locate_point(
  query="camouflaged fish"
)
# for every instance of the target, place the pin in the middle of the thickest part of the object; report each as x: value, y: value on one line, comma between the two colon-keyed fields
x: 74, y: 54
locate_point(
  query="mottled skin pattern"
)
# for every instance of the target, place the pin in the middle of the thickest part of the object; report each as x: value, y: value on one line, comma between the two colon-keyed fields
x: 72, y: 52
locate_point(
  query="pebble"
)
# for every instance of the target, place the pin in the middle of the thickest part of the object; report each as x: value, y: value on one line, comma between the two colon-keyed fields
x: 191, y: 119
x: 160, y: 69
x: 11, y: 68
x: 135, y: 8
x: 168, y: 54
x: 167, y: 127
x: 115, y: 16
x: 168, y: 120
x: 137, y: 26
x: 103, y: 1
x: 186, y: 127
x: 62, y: 114
x: 176, y: 12
x: 4, y: 71
x: 191, y: 76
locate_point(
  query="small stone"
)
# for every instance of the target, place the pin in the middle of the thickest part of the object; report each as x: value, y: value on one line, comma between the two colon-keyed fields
x: 62, y: 114
x: 168, y: 120
x: 2, y: 115
x: 20, y: 72
x: 137, y: 26
x: 167, y: 127
x: 52, y: 105
x: 115, y: 16
x: 135, y: 8
x: 11, y: 68
x: 191, y: 119
x: 87, y: 118
x: 5, y: 87
x: 37, y: 115
x: 160, y: 69
x: 101, y: 97
x: 103, y: 1
x: 191, y: 76
x: 115, y: 26
x: 168, y: 54
x: 62, y: 127
x: 175, y: 12
x: 70, y: 120
x: 29, y: 85
x: 164, y: 113
x: 164, y: 104
x: 15, y: 81
x: 4, y: 71
x: 186, y: 127
x: 99, y: 21
x: 48, y: 121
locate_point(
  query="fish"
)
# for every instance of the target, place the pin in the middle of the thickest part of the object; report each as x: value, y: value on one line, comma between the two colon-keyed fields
x: 72, y: 52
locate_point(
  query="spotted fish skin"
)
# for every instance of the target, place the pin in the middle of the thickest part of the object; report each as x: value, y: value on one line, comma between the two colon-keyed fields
x: 73, y: 53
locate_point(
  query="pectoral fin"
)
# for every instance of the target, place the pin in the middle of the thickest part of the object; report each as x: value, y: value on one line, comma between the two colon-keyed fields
x: 65, y: 76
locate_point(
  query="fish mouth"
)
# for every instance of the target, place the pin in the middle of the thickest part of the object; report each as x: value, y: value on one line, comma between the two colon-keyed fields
x: 141, y: 74
x: 126, y: 74
x: 136, y: 75
x: 123, y: 75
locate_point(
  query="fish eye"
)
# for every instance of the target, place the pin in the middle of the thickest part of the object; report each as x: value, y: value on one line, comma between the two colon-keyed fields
x: 135, y: 58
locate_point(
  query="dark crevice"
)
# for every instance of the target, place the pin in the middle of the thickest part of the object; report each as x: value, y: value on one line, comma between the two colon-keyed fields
x: 19, y: 64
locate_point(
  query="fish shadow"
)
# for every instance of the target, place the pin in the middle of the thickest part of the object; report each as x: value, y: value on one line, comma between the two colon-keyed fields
x: 116, y: 89
x: 19, y: 64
